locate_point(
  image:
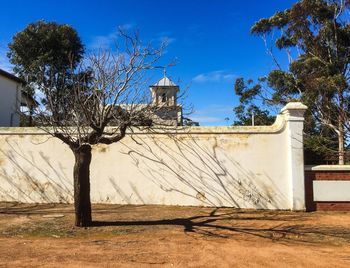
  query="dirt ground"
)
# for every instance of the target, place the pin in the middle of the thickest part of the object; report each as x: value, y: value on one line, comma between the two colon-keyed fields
x: 34, y: 235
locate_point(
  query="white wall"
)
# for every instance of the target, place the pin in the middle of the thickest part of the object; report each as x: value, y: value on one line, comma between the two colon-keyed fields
x: 247, y: 167
x: 9, y: 102
x: 331, y: 191
x: 333, y: 183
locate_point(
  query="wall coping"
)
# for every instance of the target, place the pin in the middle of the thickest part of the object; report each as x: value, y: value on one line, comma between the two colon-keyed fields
x: 294, y: 106
x: 292, y: 111
x: 327, y: 168
x: 276, y: 127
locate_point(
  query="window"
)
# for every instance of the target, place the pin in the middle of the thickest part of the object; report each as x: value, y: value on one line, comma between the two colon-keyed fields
x: 164, y: 97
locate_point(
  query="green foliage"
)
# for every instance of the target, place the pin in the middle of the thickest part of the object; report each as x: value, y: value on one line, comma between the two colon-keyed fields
x: 244, y: 116
x: 46, y: 48
x: 317, y: 32
x: 246, y: 94
x: 246, y: 109
x: 284, y: 87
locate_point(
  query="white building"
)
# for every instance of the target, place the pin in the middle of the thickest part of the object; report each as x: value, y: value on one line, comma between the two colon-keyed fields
x: 11, y: 99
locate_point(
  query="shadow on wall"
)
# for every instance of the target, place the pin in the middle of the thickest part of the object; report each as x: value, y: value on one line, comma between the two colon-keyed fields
x: 196, y: 170
x: 50, y: 183
x: 207, y: 174
x: 126, y: 196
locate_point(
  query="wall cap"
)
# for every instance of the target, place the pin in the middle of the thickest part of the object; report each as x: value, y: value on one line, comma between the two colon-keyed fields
x: 327, y: 168
x: 294, y: 111
x: 277, y: 127
x: 294, y: 106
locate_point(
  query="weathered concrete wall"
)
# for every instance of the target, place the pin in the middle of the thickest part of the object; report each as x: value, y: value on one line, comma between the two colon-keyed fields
x: 247, y: 167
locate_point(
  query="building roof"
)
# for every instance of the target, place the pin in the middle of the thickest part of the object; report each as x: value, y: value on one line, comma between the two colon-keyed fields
x: 165, y: 82
x: 11, y: 77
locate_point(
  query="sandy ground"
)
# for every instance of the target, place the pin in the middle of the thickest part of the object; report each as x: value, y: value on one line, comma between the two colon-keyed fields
x: 162, y: 236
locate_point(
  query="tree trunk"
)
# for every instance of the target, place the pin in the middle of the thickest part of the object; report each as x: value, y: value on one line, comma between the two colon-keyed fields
x: 341, y: 153
x: 31, y: 116
x: 341, y: 146
x: 82, y: 201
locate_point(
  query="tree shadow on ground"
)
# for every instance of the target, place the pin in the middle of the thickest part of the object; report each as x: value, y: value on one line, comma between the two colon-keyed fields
x: 277, y: 226
x: 242, y: 225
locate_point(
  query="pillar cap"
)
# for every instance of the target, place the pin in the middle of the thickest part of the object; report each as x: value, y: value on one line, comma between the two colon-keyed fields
x: 294, y: 111
x: 294, y: 106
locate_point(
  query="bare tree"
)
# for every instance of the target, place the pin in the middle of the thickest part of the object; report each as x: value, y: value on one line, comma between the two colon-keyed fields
x: 106, y: 97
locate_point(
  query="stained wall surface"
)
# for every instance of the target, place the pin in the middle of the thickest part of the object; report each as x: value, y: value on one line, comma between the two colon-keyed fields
x: 246, y: 167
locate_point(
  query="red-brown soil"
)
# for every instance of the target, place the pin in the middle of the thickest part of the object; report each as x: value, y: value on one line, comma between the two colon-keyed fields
x: 162, y: 236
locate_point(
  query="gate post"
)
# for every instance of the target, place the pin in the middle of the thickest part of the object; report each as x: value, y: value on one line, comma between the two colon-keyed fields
x: 293, y: 114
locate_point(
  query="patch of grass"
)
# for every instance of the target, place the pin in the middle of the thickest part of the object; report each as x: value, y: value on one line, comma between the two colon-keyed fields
x: 63, y: 227
x: 42, y: 228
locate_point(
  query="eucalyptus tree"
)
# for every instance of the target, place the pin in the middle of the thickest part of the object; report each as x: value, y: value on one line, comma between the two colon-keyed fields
x: 315, y: 34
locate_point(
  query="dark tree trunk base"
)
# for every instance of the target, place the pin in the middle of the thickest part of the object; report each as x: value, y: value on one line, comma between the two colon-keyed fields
x: 82, y: 201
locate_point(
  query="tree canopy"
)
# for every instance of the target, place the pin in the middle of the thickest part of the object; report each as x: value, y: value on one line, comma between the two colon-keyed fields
x: 315, y: 34
x: 47, y: 48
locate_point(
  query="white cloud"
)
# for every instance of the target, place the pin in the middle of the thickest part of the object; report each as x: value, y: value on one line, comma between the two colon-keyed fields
x: 107, y: 41
x: 102, y: 41
x: 165, y: 37
x: 127, y: 26
x: 215, y: 76
x: 204, y: 119
x: 212, y: 115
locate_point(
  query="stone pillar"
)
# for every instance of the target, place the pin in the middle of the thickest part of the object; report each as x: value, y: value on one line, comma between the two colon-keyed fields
x: 293, y: 114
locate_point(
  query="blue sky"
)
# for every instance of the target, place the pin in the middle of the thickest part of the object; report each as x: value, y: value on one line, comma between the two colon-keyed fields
x: 209, y: 39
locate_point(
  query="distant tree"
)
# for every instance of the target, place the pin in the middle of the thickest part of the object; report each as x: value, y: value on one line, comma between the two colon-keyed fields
x: 49, y: 49
x: 316, y: 36
x: 107, y: 99
x: 247, y: 109
x: 189, y: 122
